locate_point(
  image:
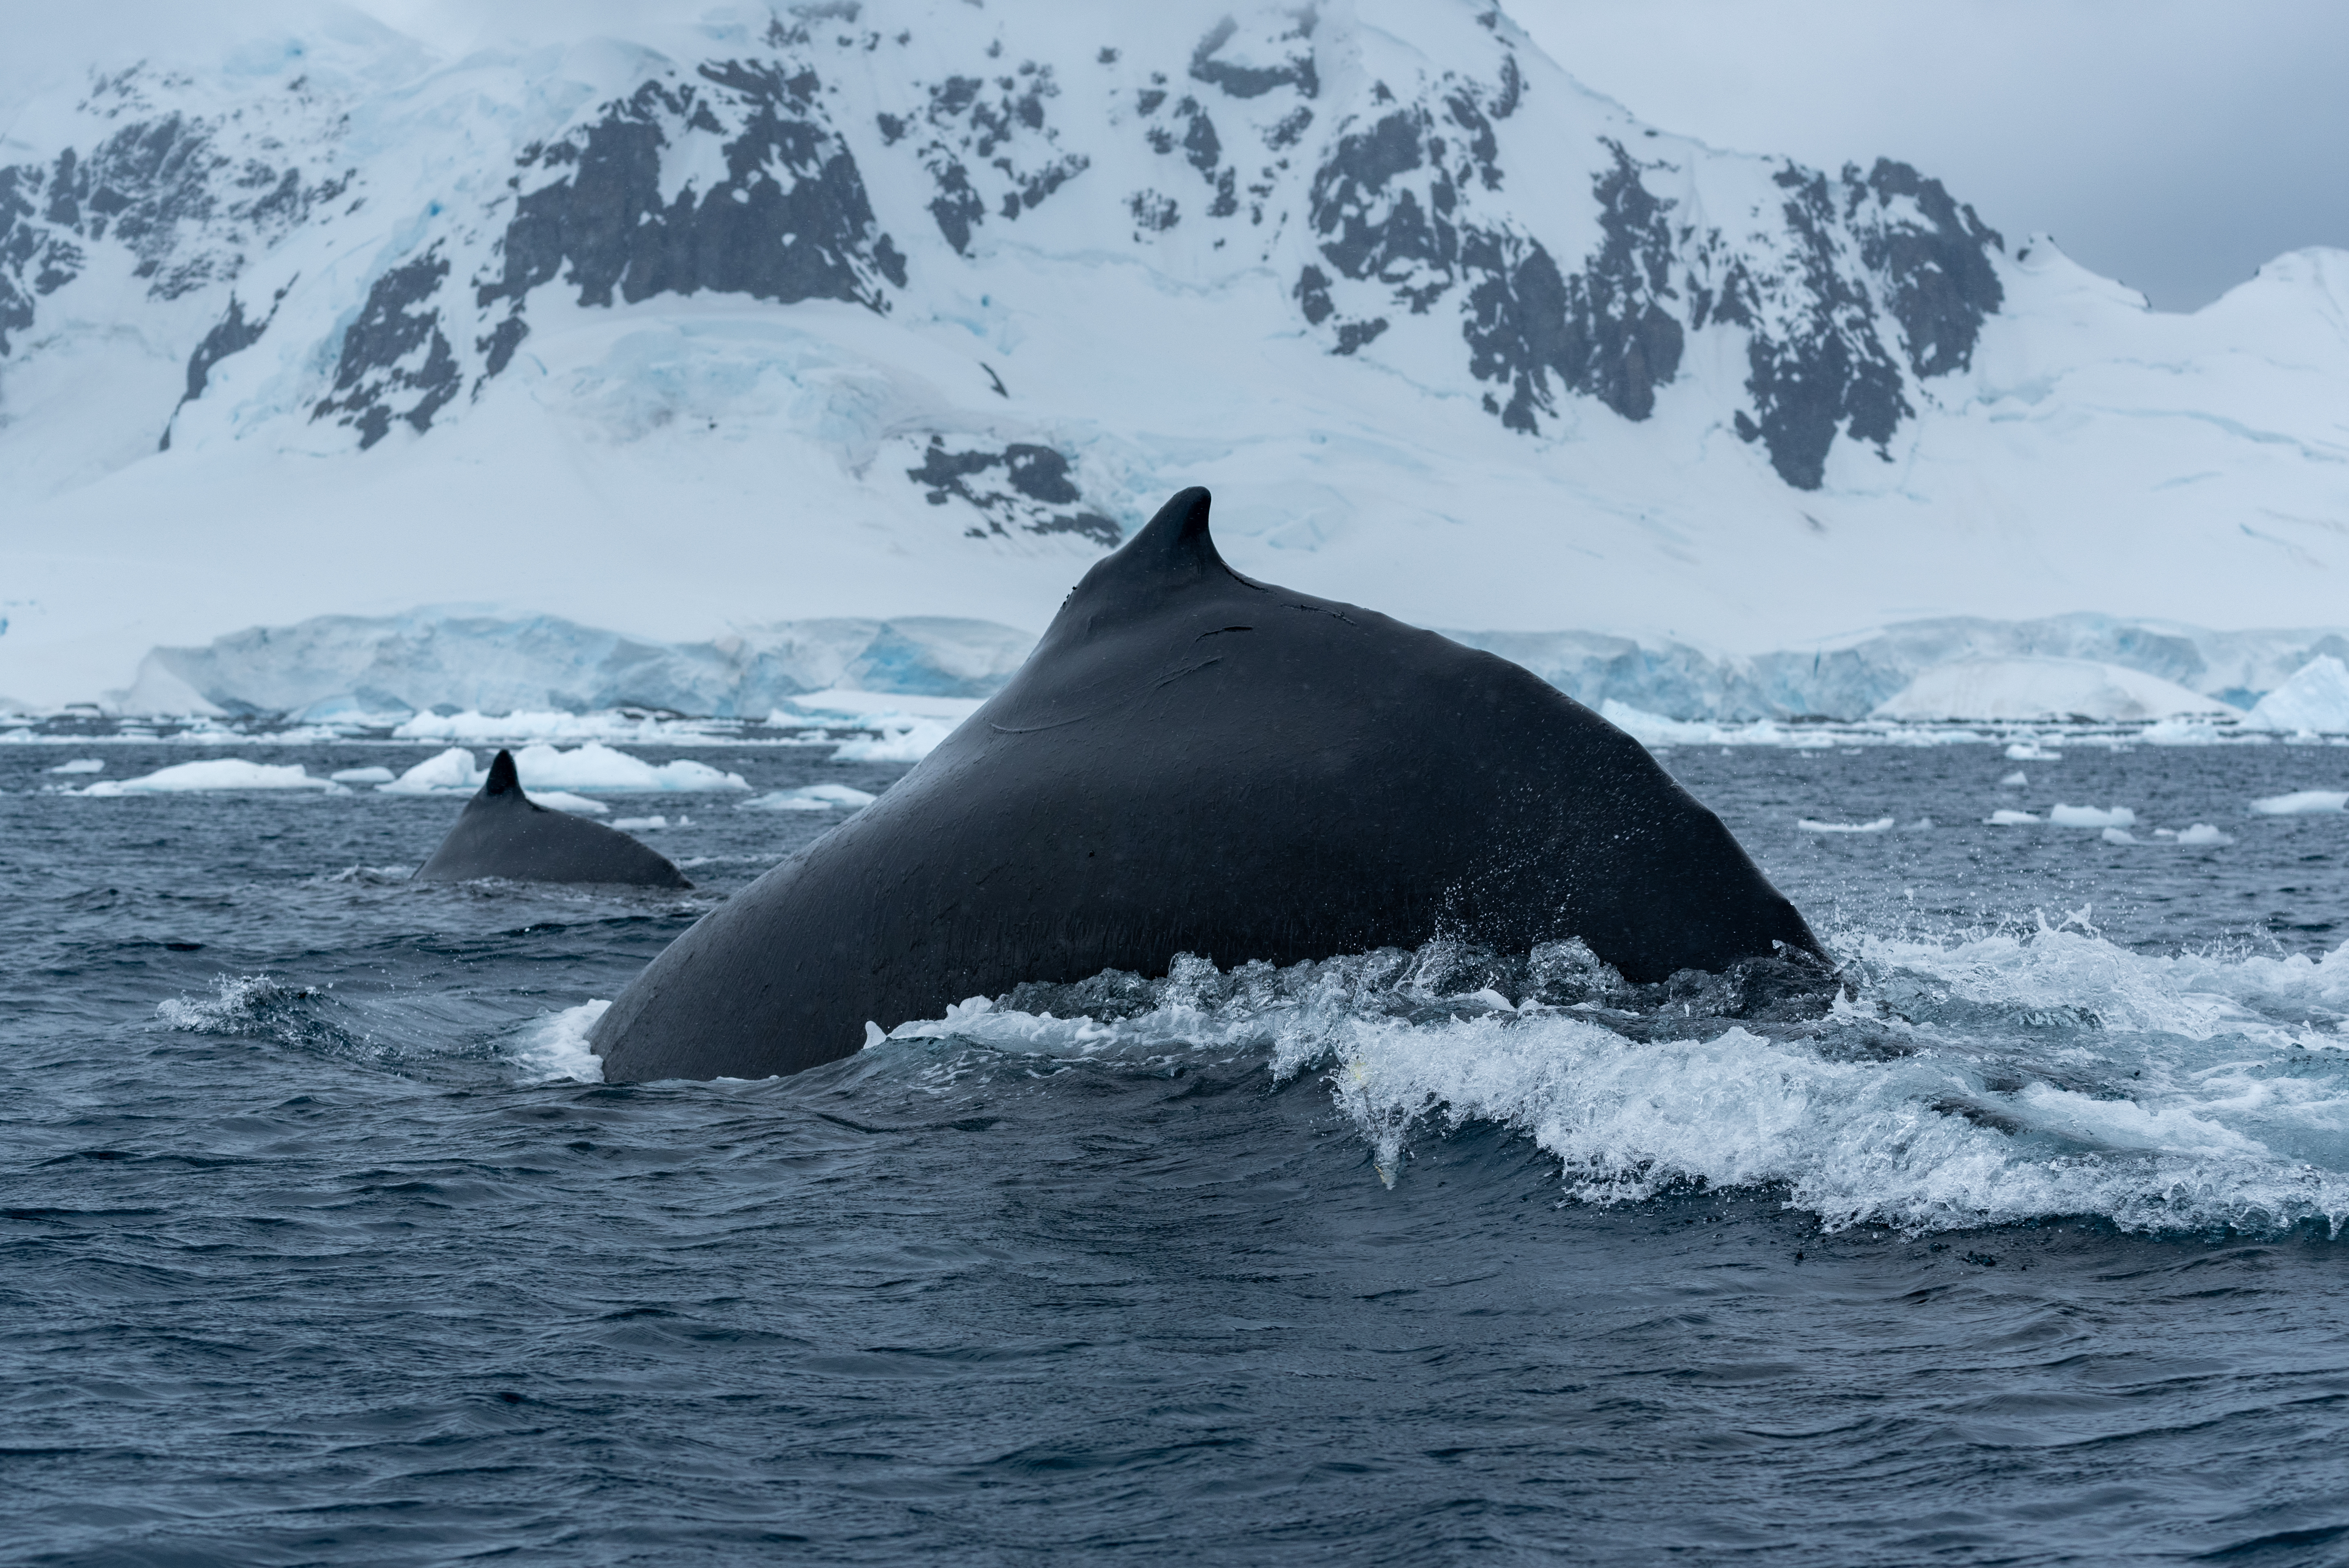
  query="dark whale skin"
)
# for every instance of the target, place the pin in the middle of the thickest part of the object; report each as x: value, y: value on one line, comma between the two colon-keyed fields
x: 503, y: 832
x: 1191, y: 761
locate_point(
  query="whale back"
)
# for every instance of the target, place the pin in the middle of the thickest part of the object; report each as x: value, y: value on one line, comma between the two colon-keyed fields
x: 1194, y: 761
x: 503, y: 832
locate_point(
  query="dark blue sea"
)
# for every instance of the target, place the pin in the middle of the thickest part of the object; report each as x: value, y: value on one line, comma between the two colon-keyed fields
x: 320, y: 1241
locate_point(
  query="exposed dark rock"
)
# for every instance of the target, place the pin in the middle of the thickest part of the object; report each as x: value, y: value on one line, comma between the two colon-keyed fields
x: 790, y: 221
x: 233, y: 334
x: 989, y: 148
x: 393, y: 349
x: 1020, y: 488
x: 1153, y: 213
x: 1942, y: 282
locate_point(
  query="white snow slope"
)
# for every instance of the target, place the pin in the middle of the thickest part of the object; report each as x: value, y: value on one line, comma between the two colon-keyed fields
x: 906, y: 310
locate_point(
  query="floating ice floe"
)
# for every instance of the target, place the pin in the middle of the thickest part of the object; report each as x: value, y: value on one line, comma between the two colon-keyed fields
x: 810, y: 798
x: 901, y: 738
x: 642, y: 824
x: 2302, y: 803
x: 2031, y: 752
x: 2064, y: 816
x: 564, y: 801
x: 362, y: 775
x: 2040, y: 689
x: 80, y: 765
x: 2010, y: 819
x: 2017, y: 779
x: 2315, y: 701
x: 215, y: 774
x: 2204, y: 833
x: 1881, y: 825
x: 543, y: 769
x: 2117, y: 836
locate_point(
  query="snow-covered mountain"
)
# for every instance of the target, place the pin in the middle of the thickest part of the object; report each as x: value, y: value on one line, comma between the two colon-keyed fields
x: 907, y: 310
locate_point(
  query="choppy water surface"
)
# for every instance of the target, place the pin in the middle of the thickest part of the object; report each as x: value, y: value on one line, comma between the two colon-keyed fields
x: 314, y: 1246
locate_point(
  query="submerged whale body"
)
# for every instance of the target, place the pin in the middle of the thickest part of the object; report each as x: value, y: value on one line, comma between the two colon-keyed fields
x: 1192, y: 761
x: 504, y: 834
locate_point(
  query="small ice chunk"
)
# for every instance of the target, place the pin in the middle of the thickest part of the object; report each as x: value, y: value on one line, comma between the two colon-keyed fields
x: 2004, y: 819
x: 362, y: 775
x: 2030, y: 751
x: 2117, y: 836
x: 1881, y: 825
x: 215, y: 773
x: 811, y: 797
x: 81, y: 765
x: 2064, y: 816
x: 564, y: 801
x: 639, y: 824
x: 2301, y: 802
x: 2204, y: 833
x: 2165, y: 832
x: 2014, y: 781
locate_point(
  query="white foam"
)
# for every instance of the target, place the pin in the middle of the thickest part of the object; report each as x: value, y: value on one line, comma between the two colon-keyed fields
x: 552, y: 1048
x: 2177, y: 1105
x: 215, y: 774
x: 811, y: 797
x: 2064, y: 816
x: 2302, y: 803
x: 1881, y: 825
x: 362, y: 775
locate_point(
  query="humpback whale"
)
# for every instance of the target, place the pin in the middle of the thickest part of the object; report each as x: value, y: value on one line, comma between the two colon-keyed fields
x: 503, y: 834
x: 1194, y: 761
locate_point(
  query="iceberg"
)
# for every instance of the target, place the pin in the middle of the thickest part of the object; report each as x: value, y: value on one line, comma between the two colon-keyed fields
x: 2315, y: 701
x: 215, y: 774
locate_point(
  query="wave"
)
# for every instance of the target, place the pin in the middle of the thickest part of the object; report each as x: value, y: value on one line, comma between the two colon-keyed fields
x: 1979, y: 1079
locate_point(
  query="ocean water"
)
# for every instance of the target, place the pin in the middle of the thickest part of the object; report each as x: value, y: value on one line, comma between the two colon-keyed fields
x: 321, y: 1242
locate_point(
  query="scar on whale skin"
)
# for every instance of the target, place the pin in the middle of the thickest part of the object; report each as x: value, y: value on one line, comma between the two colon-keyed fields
x: 1330, y: 783
x: 503, y: 832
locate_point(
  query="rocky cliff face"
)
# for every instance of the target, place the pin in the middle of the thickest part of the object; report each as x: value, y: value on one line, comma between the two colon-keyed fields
x: 1372, y: 187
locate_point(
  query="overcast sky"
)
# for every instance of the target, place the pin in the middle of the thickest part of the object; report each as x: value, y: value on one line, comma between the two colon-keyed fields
x: 2173, y: 144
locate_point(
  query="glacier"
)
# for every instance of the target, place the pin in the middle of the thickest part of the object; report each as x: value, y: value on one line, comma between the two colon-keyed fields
x: 476, y: 679
x: 787, y: 344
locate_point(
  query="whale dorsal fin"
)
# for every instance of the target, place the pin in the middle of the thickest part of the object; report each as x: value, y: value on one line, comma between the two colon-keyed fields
x: 503, y: 779
x: 1173, y: 548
